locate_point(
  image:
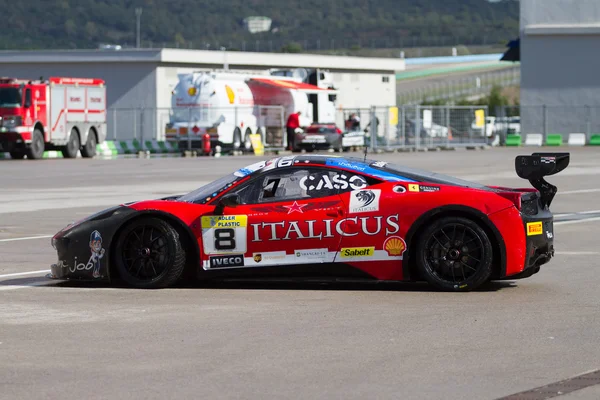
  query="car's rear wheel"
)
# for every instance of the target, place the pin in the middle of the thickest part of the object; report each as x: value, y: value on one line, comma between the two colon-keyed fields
x: 454, y: 254
x: 149, y: 254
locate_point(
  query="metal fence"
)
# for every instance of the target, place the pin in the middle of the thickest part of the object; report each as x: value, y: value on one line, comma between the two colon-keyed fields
x: 384, y: 127
x: 416, y: 127
x: 187, y: 125
x: 560, y: 120
x: 328, y: 44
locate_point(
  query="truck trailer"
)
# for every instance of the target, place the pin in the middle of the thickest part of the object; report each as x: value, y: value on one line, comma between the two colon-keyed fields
x: 231, y: 106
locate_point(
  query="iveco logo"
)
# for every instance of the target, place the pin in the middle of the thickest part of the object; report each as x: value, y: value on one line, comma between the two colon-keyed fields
x: 236, y: 260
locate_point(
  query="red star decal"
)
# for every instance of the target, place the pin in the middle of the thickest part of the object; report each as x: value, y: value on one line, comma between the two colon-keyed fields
x: 295, y: 207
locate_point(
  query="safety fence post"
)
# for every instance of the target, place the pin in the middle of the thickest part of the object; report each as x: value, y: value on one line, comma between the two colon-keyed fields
x: 189, y: 129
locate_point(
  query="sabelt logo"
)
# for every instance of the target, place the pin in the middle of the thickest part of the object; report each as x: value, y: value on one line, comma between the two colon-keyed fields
x: 534, y: 228
x: 394, y: 246
x: 358, y: 252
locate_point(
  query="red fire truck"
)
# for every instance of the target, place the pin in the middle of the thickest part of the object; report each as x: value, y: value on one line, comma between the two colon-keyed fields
x: 66, y: 114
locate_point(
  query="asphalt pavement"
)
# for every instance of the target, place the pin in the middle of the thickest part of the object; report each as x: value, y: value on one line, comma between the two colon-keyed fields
x: 294, y: 341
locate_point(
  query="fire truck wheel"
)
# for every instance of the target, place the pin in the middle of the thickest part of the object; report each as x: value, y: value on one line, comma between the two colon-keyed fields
x: 247, y: 141
x: 237, y: 139
x: 17, y: 154
x: 36, y: 148
x: 89, y: 150
x: 72, y: 147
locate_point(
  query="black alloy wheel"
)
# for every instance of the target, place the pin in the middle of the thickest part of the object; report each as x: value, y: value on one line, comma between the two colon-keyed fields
x: 455, y: 254
x: 149, y: 254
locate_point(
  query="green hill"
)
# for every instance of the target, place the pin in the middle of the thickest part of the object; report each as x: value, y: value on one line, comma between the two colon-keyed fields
x: 297, y: 25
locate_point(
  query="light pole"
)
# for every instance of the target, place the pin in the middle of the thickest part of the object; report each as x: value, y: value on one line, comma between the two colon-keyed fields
x: 138, y: 15
x: 225, y: 64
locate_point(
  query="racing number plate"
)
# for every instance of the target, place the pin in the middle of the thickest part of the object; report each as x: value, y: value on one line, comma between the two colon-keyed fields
x: 223, y: 234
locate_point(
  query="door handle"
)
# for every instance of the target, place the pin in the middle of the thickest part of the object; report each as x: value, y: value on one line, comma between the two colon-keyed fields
x: 338, y: 212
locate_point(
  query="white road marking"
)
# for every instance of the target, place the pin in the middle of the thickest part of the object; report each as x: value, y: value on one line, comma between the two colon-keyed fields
x: 26, y: 286
x: 26, y: 238
x: 578, y: 191
x: 577, y: 253
x: 577, y: 221
x: 43, y: 271
x: 589, y: 212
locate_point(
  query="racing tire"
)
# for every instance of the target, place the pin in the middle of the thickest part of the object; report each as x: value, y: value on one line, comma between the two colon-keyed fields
x: 149, y: 254
x: 17, y: 154
x: 454, y: 254
x: 35, y: 150
x: 89, y: 150
x: 73, y: 145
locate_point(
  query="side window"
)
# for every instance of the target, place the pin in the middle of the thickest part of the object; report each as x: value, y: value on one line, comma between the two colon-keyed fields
x: 27, y: 98
x: 290, y: 184
x: 301, y: 183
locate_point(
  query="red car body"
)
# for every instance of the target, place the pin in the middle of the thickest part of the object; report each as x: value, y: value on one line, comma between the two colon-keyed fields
x: 367, y: 220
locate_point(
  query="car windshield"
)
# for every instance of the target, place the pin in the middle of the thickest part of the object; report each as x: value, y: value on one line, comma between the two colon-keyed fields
x: 207, y: 192
x: 321, y: 129
x: 10, y: 97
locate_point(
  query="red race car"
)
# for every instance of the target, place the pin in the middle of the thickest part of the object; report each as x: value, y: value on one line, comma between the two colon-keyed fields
x: 323, y: 217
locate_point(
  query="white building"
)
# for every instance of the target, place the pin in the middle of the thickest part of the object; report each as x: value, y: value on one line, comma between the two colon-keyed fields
x: 257, y: 24
x: 139, y: 82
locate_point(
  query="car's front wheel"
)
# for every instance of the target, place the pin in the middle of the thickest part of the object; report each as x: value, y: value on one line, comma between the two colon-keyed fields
x: 149, y: 254
x: 454, y: 254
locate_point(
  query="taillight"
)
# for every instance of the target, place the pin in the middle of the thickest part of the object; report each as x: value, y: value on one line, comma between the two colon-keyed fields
x: 338, y: 130
x: 514, y: 197
x: 525, y: 202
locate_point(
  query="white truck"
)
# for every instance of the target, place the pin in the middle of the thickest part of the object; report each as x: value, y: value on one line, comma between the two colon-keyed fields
x: 231, y: 106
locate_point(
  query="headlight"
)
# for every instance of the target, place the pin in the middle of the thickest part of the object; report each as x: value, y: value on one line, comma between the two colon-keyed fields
x: 11, y: 121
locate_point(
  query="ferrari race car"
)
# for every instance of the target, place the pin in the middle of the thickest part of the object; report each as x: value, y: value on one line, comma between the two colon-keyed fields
x: 323, y: 217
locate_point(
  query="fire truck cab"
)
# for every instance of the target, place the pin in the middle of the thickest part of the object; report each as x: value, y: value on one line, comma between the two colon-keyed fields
x: 66, y: 114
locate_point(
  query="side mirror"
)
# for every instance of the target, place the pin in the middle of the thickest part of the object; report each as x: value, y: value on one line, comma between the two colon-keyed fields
x: 229, y: 200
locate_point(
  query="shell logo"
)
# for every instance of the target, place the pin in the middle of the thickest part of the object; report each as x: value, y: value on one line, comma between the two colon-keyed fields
x: 192, y: 91
x: 395, y: 246
x: 230, y: 94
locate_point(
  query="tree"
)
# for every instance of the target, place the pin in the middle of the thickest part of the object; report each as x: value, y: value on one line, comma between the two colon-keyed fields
x: 292, y: 47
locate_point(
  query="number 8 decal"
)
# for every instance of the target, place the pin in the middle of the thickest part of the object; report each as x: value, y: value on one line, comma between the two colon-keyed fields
x: 222, y: 234
x: 224, y: 239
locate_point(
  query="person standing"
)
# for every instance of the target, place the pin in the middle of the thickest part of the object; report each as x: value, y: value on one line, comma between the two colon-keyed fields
x: 292, y: 124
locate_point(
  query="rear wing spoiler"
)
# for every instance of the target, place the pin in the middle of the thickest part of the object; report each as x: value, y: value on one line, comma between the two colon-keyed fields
x: 539, y: 165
